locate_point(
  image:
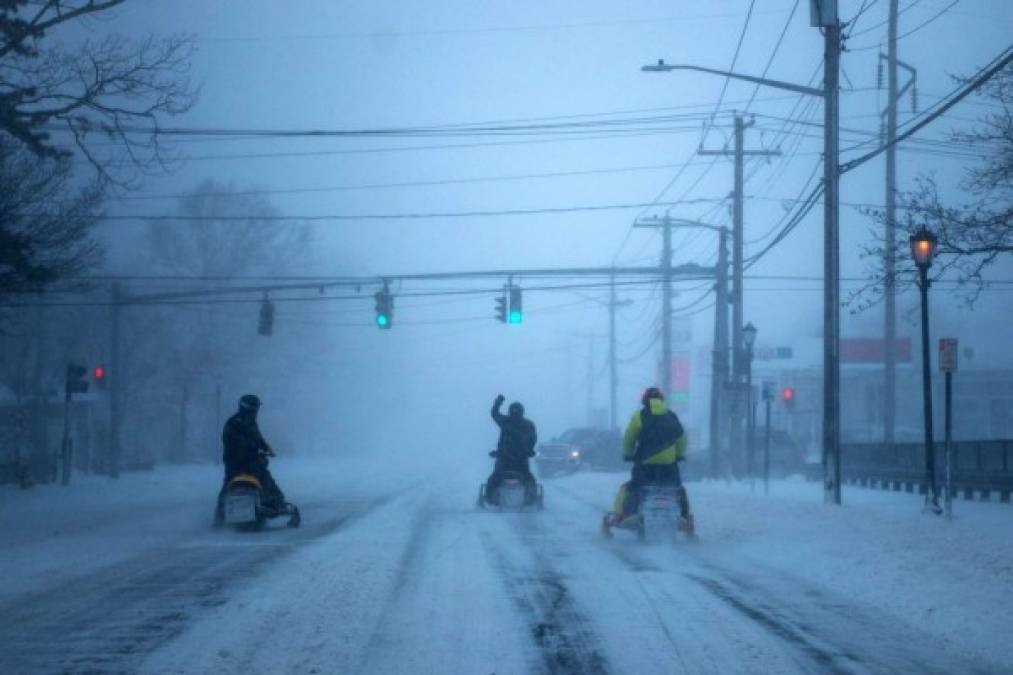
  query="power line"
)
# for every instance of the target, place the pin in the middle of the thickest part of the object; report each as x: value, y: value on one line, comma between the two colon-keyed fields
x: 403, y: 184
x: 492, y: 29
x: 917, y: 28
x: 735, y: 59
x: 251, y: 218
x: 958, y: 95
x: 328, y: 298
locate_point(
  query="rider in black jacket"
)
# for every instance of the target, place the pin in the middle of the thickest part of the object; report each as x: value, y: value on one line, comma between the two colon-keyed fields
x: 517, y: 439
x: 242, y: 447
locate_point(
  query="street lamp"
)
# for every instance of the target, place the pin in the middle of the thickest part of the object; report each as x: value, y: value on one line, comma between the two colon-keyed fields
x: 825, y: 16
x: 749, y: 339
x: 923, y: 248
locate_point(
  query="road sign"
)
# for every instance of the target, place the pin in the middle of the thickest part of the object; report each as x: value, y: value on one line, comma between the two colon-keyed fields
x: 948, y: 355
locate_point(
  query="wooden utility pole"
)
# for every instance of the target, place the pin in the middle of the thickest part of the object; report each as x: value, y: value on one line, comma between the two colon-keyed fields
x: 116, y: 372
x: 719, y: 359
x: 738, y: 237
x: 895, y: 92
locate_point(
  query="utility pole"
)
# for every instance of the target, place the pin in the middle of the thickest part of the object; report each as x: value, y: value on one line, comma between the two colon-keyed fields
x: 590, y: 380
x: 738, y: 237
x: 613, y: 375
x: 665, y: 367
x: 889, y: 252
x: 719, y: 359
x: 116, y: 370
x: 831, y: 258
x: 218, y: 420
x: 890, y: 231
x: 665, y: 378
x: 824, y: 15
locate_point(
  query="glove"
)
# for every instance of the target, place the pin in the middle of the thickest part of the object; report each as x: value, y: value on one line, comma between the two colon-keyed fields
x: 500, y: 398
x: 493, y: 453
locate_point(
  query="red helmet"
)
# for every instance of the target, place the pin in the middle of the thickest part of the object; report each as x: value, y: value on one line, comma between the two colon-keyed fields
x: 649, y: 393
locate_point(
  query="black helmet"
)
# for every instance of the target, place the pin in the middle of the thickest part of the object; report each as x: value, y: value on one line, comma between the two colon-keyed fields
x: 249, y: 403
x: 516, y: 409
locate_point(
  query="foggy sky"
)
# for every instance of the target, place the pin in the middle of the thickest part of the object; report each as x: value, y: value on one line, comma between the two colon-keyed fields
x: 339, y: 65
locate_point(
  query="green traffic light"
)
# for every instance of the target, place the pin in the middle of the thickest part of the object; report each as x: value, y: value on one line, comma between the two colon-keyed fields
x: 382, y: 320
x: 515, y: 317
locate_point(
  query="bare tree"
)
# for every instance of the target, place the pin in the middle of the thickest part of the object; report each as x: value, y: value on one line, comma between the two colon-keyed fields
x: 45, y: 222
x: 107, y: 99
x: 115, y: 89
x: 183, y: 351
x: 225, y: 232
x: 972, y: 235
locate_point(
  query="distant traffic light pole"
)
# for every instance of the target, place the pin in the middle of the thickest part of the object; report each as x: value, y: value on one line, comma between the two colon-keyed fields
x: 117, y: 367
x: 768, y: 398
x: 824, y: 16
x: 73, y: 384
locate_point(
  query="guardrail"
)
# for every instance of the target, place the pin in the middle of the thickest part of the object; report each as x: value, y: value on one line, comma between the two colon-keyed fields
x: 980, y: 468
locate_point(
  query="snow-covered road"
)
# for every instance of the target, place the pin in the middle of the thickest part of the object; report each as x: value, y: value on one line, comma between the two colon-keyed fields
x: 407, y: 577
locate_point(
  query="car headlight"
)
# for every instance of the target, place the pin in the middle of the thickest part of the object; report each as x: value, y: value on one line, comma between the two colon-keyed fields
x: 575, y: 453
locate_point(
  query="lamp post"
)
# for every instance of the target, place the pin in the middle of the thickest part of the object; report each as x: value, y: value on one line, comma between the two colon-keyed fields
x: 923, y: 248
x: 749, y: 339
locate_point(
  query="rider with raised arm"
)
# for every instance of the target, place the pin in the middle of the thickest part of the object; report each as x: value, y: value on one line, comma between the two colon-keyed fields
x: 517, y: 439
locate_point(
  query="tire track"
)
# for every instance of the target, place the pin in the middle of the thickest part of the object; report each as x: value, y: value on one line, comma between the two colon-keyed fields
x: 832, y: 634
x: 562, y: 634
x: 107, y: 622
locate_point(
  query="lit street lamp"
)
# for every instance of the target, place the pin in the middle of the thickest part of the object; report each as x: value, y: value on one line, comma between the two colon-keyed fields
x: 923, y: 248
x: 749, y: 339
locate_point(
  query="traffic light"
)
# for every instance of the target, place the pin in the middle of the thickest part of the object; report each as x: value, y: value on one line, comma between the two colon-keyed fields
x: 788, y: 396
x: 76, y: 384
x: 266, y: 324
x: 384, y: 308
x: 516, y: 306
x: 501, y: 308
x: 99, y: 374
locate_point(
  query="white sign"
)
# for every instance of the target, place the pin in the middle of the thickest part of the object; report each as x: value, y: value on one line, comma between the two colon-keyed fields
x: 948, y: 355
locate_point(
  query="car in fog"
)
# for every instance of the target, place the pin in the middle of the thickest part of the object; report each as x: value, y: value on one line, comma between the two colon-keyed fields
x: 578, y: 448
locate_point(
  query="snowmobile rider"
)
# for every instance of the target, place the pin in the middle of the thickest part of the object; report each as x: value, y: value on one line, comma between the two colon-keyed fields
x: 655, y: 442
x: 244, y: 449
x: 517, y: 439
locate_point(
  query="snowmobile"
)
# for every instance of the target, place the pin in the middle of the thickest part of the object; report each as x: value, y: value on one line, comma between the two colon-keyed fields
x: 245, y: 507
x: 658, y: 515
x: 511, y: 494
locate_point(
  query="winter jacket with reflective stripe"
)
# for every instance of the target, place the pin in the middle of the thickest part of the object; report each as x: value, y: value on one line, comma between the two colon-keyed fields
x: 669, y: 453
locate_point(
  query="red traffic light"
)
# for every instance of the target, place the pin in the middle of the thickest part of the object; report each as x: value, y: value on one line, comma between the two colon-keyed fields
x: 99, y: 372
x: 788, y: 394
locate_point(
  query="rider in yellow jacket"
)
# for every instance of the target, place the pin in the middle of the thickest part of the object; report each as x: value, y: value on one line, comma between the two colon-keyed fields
x: 655, y: 442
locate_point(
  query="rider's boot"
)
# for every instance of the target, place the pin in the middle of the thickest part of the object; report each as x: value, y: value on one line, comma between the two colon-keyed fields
x: 689, y: 525
x: 606, y: 525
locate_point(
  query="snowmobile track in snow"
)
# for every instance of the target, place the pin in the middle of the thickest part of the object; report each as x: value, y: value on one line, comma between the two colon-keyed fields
x: 566, y: 643
x: 849, y: 638
x: 107, y: 622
